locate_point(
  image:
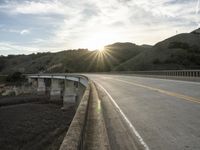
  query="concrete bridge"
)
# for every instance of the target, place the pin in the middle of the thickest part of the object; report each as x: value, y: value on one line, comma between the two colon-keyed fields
x: 69, y: 89
x: 132, y: 110
x: 87, y: 130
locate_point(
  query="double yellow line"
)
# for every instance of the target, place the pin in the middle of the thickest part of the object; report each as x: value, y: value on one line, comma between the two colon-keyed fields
x: 181, y: 96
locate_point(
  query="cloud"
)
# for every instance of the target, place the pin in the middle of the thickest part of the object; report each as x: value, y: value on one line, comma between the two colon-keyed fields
x: 10, y: 30
x: 25, y: 31
x: 65, y: 24
x: 7, y: 48
x: 33, y: 7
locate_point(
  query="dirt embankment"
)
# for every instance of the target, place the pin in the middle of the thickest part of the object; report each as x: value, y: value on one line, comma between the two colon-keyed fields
x: 33, y: 126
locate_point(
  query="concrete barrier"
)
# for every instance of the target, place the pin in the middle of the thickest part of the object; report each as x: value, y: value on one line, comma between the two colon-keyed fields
x: 87, y: 130
x: 75, y: 134
x: 80, y: 128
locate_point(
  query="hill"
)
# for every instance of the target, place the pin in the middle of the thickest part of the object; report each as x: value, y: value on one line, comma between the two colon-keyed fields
x: 81, y: 60
x: 178, y: 52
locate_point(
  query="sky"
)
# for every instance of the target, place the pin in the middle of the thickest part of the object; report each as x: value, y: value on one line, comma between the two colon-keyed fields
x: 30, y: 26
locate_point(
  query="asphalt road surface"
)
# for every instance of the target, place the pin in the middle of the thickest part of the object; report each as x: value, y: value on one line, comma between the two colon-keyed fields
x: 166, y: 113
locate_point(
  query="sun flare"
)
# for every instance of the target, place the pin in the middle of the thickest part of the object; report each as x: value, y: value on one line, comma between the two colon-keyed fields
x: 101, y: 49
x: 98, y: 40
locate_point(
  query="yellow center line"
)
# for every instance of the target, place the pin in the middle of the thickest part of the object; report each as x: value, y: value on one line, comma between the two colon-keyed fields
x: 181, y: 96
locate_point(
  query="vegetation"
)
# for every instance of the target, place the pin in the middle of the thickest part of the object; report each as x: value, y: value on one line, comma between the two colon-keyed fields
x: 179, y: 45
x: 179, y: 52
x: 16, y: 77
x: 2, y: 79
x: 81, y: 60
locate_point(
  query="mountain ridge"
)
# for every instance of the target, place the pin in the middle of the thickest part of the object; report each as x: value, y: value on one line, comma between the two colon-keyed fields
x: 181, y: 51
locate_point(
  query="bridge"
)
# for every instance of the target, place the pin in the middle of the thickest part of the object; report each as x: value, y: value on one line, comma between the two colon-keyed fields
x: 134, y: 110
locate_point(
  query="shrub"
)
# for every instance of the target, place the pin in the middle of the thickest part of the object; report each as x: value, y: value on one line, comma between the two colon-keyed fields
x: 2, y: 63
x: 15, y: 77
x: 178, y: 45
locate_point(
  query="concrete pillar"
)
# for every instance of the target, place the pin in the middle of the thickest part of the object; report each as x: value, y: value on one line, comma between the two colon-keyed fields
x: 70, y: 94
x: 33, y: 81
x: 197, y: 74
x: 55, y: 91
x: 80, y: 92
x: 30, y: 80
x: 41, y: 86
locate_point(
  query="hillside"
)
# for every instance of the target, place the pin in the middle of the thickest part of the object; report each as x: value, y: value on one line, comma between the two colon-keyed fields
x: 178, y: 52
x: 81, y: 60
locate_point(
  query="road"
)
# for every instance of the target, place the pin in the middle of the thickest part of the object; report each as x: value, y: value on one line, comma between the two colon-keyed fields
x: 166, y: 113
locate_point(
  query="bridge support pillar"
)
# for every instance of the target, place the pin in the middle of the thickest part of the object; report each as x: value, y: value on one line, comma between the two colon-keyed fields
x: 33, y: 82
x: 70, y: 94
x: 55, y: 92
x: 41, y: 88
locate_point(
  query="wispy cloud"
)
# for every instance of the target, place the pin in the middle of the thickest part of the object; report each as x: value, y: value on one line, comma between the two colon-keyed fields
x: 25, y: 31
x: 9, y: 30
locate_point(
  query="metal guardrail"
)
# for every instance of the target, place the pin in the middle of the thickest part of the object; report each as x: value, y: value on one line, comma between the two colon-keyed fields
x: 178, y: 73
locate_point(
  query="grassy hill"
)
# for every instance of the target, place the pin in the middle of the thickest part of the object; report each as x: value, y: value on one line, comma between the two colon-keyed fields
x: 178, y: 52
x: 81, y: 60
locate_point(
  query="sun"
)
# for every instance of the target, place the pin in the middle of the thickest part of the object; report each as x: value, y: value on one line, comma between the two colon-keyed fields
x: 98, y: 40
x: 101, y: 49
x: 95, y: 43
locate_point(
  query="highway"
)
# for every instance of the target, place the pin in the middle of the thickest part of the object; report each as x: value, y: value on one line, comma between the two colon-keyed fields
x: 165, y: 113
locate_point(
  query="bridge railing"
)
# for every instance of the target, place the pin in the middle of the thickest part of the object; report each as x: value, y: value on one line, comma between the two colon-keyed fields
x: 79, y: 78
x: 178, y: 73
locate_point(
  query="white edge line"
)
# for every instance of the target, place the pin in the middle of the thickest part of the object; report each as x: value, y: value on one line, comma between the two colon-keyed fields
x: 126, y: 119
